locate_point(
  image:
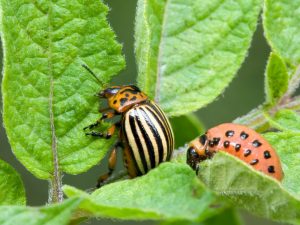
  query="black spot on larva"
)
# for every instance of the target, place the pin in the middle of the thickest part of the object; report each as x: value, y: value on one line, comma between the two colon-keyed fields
x: 244, y: 135
x: 253, y: 162
x: 237, y: 147
x: 127, y: 95
x: 256, y: 143
x: 267, y: 154
x: 202, y: 139
x: 133, y: 98
x: 211, y: 143
x: 247, y: 152
x: 115, y: 101
x: 226, y: 144
x: 123, y: 100
x: 271, y: 169
x: 229, y: 133
x: 216, y: 140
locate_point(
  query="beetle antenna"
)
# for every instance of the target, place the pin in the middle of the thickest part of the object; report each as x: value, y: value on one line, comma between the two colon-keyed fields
x: 92, y: 73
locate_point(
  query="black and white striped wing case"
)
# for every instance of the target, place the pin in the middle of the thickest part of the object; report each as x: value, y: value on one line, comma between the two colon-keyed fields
x: 149, y: 136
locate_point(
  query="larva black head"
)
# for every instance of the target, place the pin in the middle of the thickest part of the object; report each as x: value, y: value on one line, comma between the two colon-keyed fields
x: 197, y: 151
x: 192, y: 158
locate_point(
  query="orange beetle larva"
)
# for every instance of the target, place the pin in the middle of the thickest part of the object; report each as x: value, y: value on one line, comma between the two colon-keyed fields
x: 240, y: 141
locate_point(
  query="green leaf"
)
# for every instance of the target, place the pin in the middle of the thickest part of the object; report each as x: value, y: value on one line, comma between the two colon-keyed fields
x: 228, y: 217
x: 250, y: 189
x: 170, y: 191
x: 286, y: 120
x: 282, y: 28
x: 11, y: 186
x: 48, y: 97
x: 188, y: 51
x: 287, y: 145
x: 48, y: 215
x: 186, y: 128
x: 276, y: 79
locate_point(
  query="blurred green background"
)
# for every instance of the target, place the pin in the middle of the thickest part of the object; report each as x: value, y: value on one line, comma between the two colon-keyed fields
x: 244, y: 93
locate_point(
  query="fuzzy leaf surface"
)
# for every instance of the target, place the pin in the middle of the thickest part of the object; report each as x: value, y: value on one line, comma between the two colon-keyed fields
x: 188, y: 51
x: 251, y: 189
x: 48, y: 97
x: 12, y: 191
x: 286, y: 120
x: 47, y: 215
x: 228, y: 216
x: 287, y: 145
x: 170, y: 191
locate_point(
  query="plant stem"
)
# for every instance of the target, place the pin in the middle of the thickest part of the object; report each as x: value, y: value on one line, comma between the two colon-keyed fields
x: 55, y: 189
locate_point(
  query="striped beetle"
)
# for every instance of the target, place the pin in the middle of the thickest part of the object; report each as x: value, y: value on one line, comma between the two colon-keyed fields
x: 145, y: 133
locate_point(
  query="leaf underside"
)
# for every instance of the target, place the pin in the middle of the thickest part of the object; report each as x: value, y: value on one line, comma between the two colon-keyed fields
x: 252, y: 190
x: 48, y: 97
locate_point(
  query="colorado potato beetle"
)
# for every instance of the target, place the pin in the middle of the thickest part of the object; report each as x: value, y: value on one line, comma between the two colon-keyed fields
x: 240, y: 141
x: 145, y: 134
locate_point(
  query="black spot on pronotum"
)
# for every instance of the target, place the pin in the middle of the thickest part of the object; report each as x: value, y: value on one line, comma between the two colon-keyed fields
x: 202, y: 139
x: 256, y: 143
x: 130, y: 91
x: 229, y: 133
x: 244, y: 135
x: 216, y: 140
x: 237, y: 147
x: 247, y: 152
x: 115, y: 101
x: 253, y: 162
x: 267, y: 154
x: 123, y: 100
x: 133, y: 98
x: 271, y: 169
x: 226, y: 144
x: 127, y: 95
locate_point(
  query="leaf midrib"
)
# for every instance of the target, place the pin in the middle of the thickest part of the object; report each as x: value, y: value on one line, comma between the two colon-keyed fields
x: 56, y: 179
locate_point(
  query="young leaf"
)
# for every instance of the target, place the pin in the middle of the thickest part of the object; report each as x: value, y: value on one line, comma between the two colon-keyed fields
x: 47, y: 94
x: 188, y: 51
x: 250, y: 189
x: 287, y: 145
x: 50, y: 215
x: 11, y: 186
x: 170, y: 191
x: 286, y: 120
x: 276, y: 79
x: 186, y: 128
x: 282, y: 28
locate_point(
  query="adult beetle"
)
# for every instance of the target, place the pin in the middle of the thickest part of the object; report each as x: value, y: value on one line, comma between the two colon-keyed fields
x: 145, y: 134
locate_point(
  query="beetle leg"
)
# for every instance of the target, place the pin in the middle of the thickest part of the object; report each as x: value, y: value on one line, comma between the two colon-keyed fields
x: 112, y: 161
x: 106, y: 115
x: 106, y: 135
